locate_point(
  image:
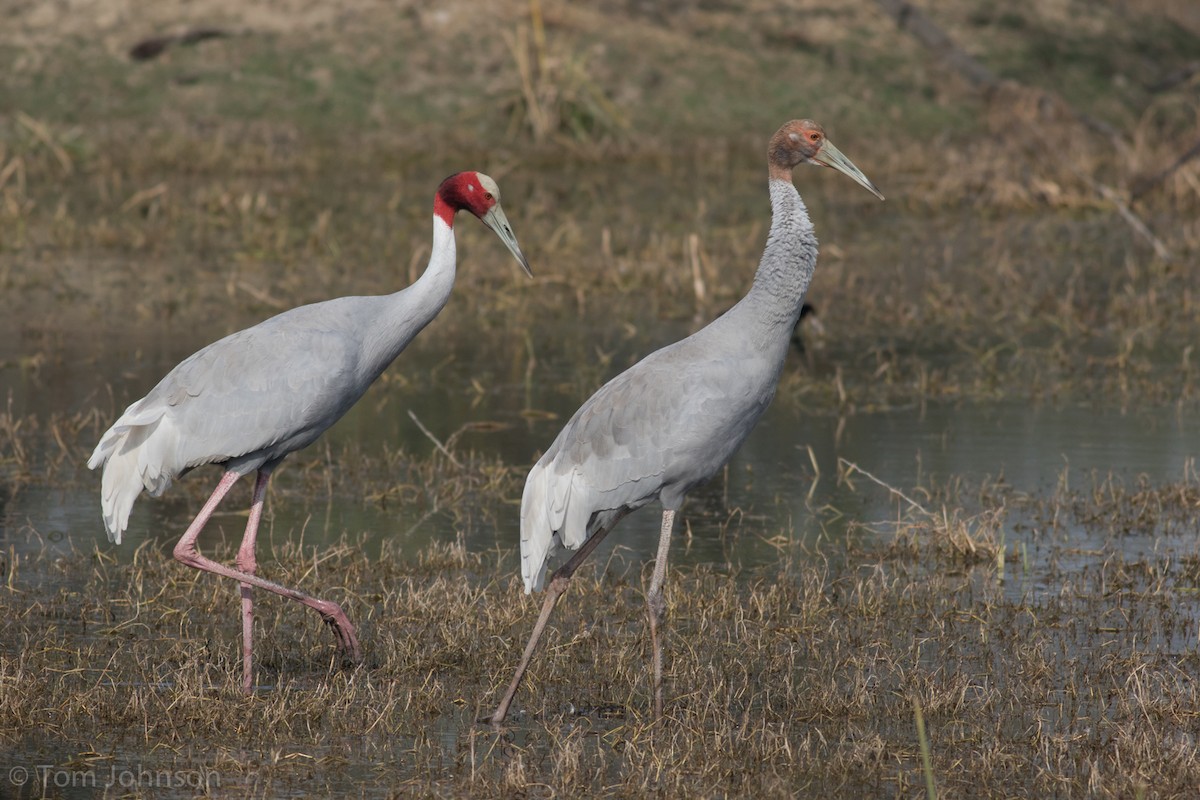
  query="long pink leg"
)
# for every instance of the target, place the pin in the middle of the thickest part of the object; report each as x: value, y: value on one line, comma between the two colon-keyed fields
x: 558, y: 585
x: 247, y: 563
x: 187, y: 553
x: 655, y: 605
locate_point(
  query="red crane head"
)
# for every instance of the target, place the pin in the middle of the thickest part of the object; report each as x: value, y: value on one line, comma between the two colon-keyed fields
x: 479, y: 194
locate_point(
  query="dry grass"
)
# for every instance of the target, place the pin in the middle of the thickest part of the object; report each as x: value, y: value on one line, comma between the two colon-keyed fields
x: 995, y: 268
x: 1068, y: 674
x: 1046, y: 642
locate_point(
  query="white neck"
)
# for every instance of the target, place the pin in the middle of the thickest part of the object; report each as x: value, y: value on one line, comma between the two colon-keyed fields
x: 412, y: 308
x: 432, y: 289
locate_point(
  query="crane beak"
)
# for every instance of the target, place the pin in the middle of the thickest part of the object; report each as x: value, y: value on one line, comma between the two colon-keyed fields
x: 496, y: 220
x: 830, y: 156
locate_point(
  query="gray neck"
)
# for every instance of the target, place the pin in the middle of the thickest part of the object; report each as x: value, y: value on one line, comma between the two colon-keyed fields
x: 787, y: 263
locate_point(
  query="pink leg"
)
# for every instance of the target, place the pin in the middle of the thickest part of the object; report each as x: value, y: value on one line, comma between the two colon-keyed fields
x: 655, y: 606
x: 247, y: 563
x: 558, y: 584
x: 186, y: 552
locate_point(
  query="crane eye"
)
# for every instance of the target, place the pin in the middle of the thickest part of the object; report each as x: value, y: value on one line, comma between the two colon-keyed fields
x: 814, y: 137
x: 488, y: 196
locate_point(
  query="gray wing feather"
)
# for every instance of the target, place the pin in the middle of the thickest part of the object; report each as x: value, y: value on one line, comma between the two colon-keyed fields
x: 246, y: 399
x: 661, y: 427
x: 254, y: 391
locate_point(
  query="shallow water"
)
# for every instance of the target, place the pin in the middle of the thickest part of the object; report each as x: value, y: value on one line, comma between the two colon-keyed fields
x: 770, y: 499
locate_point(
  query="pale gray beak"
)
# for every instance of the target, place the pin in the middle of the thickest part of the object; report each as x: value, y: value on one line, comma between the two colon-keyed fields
x: 830, y: 156
x: 496, y: 220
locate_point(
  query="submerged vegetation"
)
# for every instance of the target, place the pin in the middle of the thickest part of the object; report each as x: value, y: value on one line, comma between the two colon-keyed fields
x: 1038, y: 245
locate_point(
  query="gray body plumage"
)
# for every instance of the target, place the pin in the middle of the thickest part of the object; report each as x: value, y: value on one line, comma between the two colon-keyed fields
x: 671, y: 421
x: 251, y: 398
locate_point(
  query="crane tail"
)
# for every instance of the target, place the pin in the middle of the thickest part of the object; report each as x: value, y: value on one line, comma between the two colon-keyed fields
x: 133, y: 458
x: 555, y: 510
x: 538, y: 541
x: 544, y: 506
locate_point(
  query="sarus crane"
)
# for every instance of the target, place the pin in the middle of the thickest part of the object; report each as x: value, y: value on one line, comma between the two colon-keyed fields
x: 246, y: 401
x: 671, y: 421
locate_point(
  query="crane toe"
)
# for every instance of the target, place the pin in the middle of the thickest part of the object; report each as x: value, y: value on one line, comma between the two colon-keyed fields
x: 336, y: 619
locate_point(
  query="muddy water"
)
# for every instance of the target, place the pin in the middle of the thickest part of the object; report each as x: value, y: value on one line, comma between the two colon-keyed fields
x: 771, y: 501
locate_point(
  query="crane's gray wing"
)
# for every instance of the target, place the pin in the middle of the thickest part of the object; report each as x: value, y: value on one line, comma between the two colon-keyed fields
x: 661, y: 427
x: 249, y: 398
x: 263, y: 391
